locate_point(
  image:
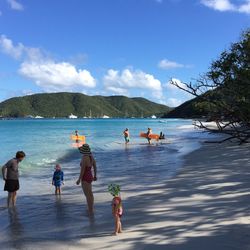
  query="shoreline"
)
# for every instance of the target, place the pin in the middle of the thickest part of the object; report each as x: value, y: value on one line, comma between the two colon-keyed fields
x: 206, y: 203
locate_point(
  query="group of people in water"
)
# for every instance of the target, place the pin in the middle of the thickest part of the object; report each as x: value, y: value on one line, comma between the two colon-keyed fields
x: 148, y: 135
x: 88, y: 174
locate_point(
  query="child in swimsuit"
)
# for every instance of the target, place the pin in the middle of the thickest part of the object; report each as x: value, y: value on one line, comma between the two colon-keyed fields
x: 126, y: 135
x: 117, y: 209
x: 57, y: 179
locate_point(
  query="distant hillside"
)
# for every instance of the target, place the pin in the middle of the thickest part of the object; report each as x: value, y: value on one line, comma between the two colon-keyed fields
x: 63, y: 104
x: 188, y: 109
x: 195, y: 108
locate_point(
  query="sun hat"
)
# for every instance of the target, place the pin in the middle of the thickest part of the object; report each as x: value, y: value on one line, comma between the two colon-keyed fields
x: 85, y: 149
x: 114, y: 189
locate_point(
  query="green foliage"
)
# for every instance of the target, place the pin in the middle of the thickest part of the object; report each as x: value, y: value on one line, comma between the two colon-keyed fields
x: 231, y: 76
x: 228, y: 87
x: 63, y: 104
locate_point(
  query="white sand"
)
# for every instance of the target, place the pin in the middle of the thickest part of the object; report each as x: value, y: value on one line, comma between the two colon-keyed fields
x: 206, y: 206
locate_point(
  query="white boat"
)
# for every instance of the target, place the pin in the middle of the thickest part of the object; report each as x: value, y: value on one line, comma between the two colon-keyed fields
x: 71, y: 116
x: 38, y: 117
x: 29, y: 116
x: 105, y: 117
x: 153, y: 117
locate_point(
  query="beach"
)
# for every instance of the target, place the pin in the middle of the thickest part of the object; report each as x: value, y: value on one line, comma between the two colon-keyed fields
x: 205, y: 205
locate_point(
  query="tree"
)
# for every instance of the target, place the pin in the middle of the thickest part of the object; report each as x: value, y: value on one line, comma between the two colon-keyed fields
x: 225, y: 90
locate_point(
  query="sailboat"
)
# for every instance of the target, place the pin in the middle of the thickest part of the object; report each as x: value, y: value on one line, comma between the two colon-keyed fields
x: 90, y: 114
x: 71, y: 116
x: 85, y: 116
x: 105, y: 117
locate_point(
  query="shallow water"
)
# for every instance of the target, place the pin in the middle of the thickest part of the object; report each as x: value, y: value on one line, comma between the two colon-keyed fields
x: 136, y: 167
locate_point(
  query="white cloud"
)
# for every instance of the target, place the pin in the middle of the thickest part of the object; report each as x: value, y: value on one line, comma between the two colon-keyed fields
x: 173, y: 102
x: 27, y: 92
x: 167, y: 64
x: 53, y: 76
x: 7, y: 47
x: 221, y: 5
x: 245, y: 8
x: 121, y: 82
x: 228, y: 5
x: 170, y: 86
x: 15, y: 5
x: 119, y: 91
x: 20, y: 51
x: 45, y: 72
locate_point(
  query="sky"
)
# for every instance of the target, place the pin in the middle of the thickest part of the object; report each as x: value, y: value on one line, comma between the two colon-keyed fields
x: 114, y: 47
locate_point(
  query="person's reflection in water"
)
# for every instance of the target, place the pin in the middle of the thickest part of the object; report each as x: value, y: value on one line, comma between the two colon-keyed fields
x: 16, y: 229
x: 60, y: 213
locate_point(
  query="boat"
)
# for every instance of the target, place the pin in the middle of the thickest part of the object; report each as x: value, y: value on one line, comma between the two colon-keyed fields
x: 29, y: 116
x: 38, y: 117
x: 71, y: 116
x: 105, y: 117
x: 153, y: 117
x: 90, y: 114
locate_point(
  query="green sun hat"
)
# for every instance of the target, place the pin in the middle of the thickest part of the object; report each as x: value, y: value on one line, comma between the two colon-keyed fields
x: 114, y: 189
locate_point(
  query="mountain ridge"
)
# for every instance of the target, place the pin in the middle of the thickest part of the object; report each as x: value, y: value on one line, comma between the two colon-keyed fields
x: 62, y: 104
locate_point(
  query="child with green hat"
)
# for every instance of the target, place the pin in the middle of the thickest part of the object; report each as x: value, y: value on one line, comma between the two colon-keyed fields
x: 117, y: 210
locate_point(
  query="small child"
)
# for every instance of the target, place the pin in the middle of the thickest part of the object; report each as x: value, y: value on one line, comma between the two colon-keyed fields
x: 117, y: 209
x: 57, y: 180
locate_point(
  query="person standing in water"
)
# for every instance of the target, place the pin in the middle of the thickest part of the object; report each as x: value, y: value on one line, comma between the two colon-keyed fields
x: 117, y: 209
x: 11, y: 177
x: 76, y: 134
x: 149, y: 132
x: 86, y: 176
x: 126, y: 135
x: 58, y: 178
x: 162, y: 136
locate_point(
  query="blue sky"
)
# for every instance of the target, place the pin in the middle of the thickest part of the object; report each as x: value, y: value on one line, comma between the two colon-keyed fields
x: 109, y: 47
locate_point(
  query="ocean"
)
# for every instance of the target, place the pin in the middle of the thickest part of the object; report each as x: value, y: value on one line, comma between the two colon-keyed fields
x: 137, y: 167
x: 47, y: 142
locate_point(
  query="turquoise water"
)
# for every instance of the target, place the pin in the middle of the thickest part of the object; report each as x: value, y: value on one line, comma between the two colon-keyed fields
x: 47, y: 142
x: 138, y: 168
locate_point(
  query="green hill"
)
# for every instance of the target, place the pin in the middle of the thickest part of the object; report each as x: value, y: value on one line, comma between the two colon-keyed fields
x: 189, y: 109
x: 198, y: 107
x: 63, y: 104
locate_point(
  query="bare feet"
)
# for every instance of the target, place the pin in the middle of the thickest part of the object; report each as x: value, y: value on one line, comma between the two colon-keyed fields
x: 114, y: 233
